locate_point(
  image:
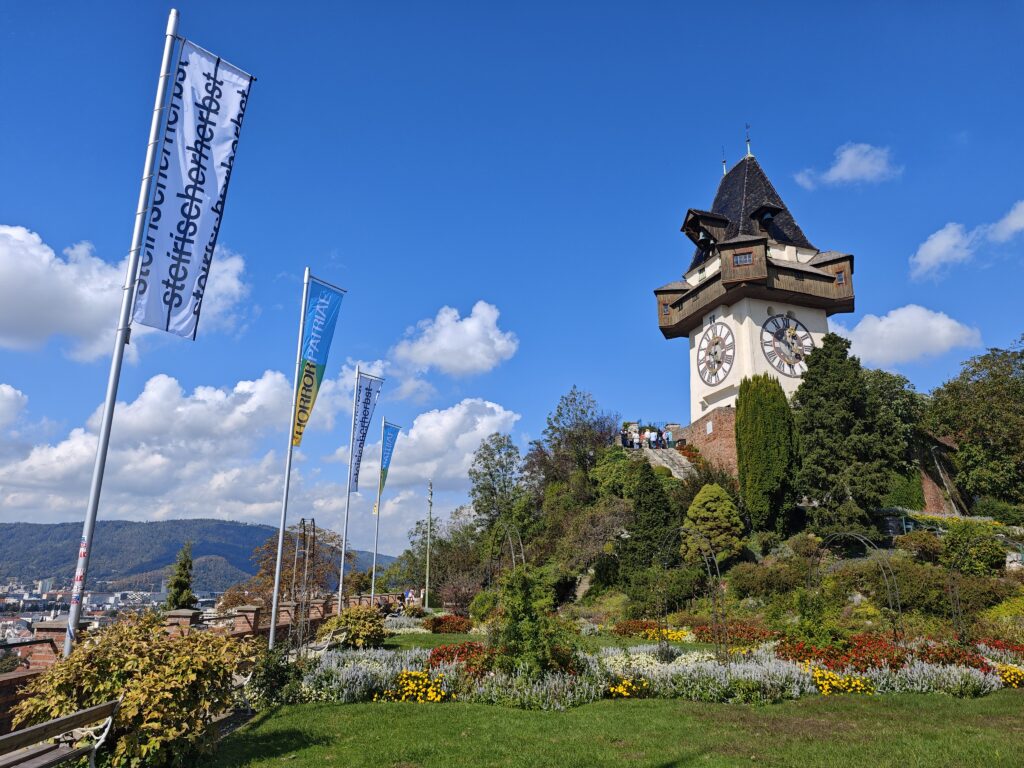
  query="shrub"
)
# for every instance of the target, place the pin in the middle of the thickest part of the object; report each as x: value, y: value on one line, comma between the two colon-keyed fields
x: 413, y: 610
x: 923, y: 545
x: 970, y: 549
x: 360, y: 626
x: 712, y: 526
x: 1003, y: 511
x: 484, y: 603
x: 447, y: 624
x: 923, y: 586
x: 172, y: 688
x: 9, y: 662
x: 765, y: 579
x: 657, y: 591
x: 275, y: 680
x: 527, y: 635
x: 804, y: 545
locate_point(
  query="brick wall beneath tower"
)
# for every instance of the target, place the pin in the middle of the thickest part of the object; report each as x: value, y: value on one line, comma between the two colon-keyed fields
x: 714, y: 435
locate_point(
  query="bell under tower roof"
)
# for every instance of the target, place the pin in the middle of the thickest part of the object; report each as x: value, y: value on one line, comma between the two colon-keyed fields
x: 749, y: 203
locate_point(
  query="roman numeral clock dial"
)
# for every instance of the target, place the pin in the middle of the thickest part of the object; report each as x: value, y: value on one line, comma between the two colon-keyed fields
x: 716, y: 353
x: 786, y: 343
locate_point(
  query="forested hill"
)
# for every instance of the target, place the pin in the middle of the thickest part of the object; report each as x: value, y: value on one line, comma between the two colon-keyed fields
x: 135, y: 553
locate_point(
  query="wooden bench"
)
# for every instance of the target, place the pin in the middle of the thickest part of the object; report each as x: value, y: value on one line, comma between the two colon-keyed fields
x: 32, y: 747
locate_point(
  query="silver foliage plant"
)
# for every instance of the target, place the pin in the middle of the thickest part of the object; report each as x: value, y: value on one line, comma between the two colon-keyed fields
x: 757, y: 677
x: 921, y: 677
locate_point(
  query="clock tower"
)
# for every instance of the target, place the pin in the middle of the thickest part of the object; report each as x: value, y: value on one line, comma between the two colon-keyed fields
x: 756, y: 296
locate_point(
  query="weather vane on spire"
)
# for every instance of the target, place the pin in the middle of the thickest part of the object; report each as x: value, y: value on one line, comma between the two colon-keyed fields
x: 749, y: 153
x: 723, y: 160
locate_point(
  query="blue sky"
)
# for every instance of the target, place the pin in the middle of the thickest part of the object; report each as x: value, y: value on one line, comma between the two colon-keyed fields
x: 536, y: 157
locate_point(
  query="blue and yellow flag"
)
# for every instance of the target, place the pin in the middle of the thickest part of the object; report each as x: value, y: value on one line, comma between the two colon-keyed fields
x: 390, y: 438
x: 322, y: 307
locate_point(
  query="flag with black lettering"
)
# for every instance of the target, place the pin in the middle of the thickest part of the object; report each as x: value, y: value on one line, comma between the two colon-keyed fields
x: 367, y: 391
x: 196, y: 157
x: 322, y: 305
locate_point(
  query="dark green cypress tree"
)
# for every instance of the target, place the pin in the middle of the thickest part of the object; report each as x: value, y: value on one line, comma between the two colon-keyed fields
x: 179, y: 587
x: 653, y: 535
x: 843, y: 464
x: 766, y: 449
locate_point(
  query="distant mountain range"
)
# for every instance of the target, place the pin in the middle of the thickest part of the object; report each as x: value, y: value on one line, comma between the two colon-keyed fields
x: 135, y: 555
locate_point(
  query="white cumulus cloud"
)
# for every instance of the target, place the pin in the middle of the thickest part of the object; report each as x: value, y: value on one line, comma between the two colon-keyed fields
x: 906, y: 334
x: 12, y: 403
x: 954, y: 244
x: 1008, y: 226
x: 77, y: 296
x: 458, y: 346
x: 950, y: 245
x: 854, y: 163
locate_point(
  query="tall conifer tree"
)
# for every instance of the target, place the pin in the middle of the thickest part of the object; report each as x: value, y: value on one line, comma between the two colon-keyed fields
x: 766, y: 449
x: 179, y: 588
x: 654, y: 532
x: 843, y: 464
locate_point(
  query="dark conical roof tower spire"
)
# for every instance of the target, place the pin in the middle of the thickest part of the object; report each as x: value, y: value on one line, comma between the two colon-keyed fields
x: 752, y: 206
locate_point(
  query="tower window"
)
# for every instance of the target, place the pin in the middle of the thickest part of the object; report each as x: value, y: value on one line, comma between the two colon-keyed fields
x: 841, y: 277
x: 700, y: 274
x: 742, y: 259
x: 664, y: 308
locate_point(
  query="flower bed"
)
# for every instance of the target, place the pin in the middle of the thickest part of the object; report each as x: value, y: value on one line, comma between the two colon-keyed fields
x: 670, y: 634
x: 771, y: 672
x: 635, y: 627
x: 737, y: 633
x: 475, y: 657
x: 448, y: 624
x: 419, y: 687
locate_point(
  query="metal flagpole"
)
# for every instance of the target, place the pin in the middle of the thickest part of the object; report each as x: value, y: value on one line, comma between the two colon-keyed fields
x: 123, y: 332
x: 275, y: 599
x: 348, y: 493
x: 430, y: 521
x: 376, y: 527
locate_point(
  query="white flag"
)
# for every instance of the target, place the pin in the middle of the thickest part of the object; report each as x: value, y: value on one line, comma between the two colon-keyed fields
x: 204, y: 120
x: 367, y: 390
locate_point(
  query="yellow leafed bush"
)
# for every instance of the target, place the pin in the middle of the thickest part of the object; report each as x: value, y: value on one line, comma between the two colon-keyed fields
x: 171, y: 688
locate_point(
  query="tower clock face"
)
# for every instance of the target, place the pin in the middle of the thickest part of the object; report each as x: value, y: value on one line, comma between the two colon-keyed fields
x: 786, y: 343
x: 716, y: 353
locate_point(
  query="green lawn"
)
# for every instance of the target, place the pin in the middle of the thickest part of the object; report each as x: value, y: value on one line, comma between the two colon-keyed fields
x: 905, y: 731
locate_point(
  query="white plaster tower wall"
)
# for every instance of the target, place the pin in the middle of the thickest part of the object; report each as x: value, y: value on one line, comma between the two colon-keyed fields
x: 745, y: 318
